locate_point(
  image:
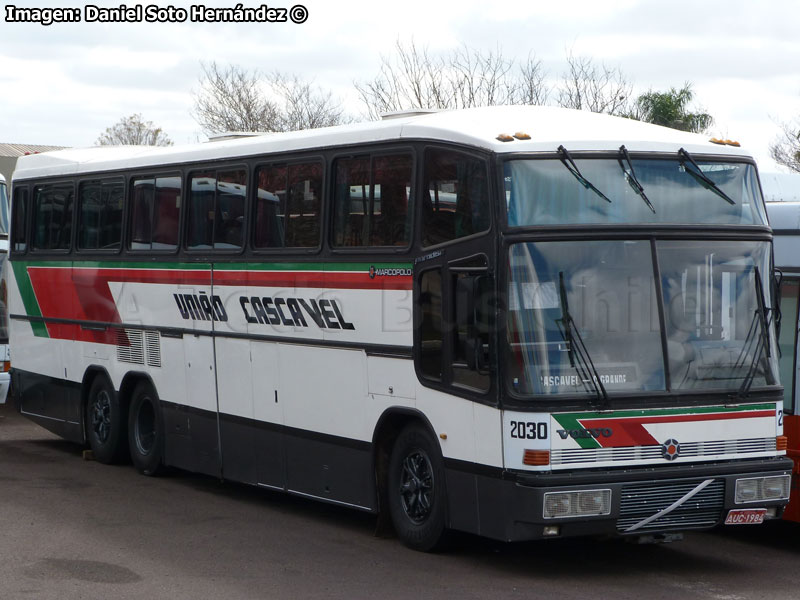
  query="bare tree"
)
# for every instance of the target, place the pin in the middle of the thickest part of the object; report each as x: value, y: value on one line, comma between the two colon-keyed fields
x: 413, y: 78
x: 234, y: 99
x: 304, y: 106
x: 134, y: 131
x: 785, y: 150
x: 533, y: 89
x: 597, y: 88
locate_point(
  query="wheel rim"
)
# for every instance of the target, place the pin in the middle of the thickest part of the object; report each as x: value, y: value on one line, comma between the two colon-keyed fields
x: 101, y: 416
x: 144, y: 427
x: 417, y: 486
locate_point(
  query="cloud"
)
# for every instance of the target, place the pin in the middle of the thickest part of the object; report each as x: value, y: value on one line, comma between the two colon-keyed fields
x: 64, y: 84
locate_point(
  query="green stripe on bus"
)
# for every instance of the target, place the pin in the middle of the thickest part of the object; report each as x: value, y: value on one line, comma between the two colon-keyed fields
x: 697, y: 410
x: 238, y: 266
x: 572, y: 420
x: 29, y: 297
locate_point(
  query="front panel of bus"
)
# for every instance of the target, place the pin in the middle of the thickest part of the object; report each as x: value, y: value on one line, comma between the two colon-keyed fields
x: 638, y: 334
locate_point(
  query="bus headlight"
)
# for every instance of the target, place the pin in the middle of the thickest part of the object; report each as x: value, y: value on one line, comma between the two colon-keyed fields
x: 760, y: 489
x: 777, y: 488
x: 583, y: 503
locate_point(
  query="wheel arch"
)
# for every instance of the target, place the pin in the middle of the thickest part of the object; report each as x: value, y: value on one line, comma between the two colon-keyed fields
x: 124, y: 392
x: 129, y: 382
x: 391, y: 422
x: 89, y: 375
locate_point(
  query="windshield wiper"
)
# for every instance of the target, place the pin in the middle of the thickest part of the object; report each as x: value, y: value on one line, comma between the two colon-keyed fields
x: 578, y: 350
x: 762, y: 318
x: 630, y: 176
x: 573, y: 168
x: 701, y: 177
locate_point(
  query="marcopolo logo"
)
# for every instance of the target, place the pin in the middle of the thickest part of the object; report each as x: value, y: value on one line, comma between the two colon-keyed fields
x: 391, y: 272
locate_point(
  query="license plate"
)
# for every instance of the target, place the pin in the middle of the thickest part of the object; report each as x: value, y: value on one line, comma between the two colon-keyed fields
x: 746, y: 516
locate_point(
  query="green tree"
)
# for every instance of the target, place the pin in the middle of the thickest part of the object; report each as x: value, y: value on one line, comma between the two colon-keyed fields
x: 671, y: 109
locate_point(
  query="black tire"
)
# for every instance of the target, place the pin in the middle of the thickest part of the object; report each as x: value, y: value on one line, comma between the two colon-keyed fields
x: 106, y: 427
x: 146, y: 430
x: 416, y: 489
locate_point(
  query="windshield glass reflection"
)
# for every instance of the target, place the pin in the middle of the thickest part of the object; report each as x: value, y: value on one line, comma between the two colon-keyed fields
x: 716, y: 313
x: 584, y: 315
x: 545, y: 192
x: 602, y: 292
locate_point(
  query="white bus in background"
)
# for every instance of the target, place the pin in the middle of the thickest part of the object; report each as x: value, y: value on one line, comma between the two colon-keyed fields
x: 5, y: 363
x: 784, y: 217
x: 780, y: 187
x: 519, y: 322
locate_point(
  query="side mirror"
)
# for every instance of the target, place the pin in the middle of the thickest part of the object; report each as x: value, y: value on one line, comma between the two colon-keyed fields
x: 777, y: 282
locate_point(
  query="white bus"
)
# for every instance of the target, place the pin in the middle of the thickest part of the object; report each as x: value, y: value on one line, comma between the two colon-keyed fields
x: 5, y: 358
x: 520, y: 322
x: 785, y: 220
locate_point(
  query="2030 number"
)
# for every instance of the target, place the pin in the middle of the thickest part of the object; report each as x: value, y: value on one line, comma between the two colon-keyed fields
x: 527, y: 430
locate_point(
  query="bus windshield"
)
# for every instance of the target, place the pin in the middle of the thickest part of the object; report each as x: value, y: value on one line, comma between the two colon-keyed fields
x: 3, y: 209
x: 680, y: 190
x: 583, y: 312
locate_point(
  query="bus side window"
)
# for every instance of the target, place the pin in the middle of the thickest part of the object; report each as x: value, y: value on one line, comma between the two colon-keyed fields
x: 20, y: 212
x: 431, y: 330
x: 52, y: 216
x: 100, y: 215
x: 216, y: 209
x: 456, y: 202
x: 155, y: 204
x: 287, y: 209
x: 372, y: 200
x: 472, y: 325
x: 303, y: 206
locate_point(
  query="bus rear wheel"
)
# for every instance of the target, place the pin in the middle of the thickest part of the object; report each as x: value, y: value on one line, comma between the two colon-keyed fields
x: 416, y: 489
x: 145, y: 430
x: 105, y: 422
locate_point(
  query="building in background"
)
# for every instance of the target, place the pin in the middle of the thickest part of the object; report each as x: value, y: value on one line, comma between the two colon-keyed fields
x: 9, y: 153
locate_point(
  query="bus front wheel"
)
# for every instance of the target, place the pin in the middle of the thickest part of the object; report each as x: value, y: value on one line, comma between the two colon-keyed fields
x: 145, y: 430
x: 416, y: 489
x: 105, y: 422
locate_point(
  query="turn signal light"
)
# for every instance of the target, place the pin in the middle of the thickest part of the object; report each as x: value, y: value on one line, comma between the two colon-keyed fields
x: 6, y: 366
x: 781, y: 443
x: 504, y: 137
x: 536, y: 458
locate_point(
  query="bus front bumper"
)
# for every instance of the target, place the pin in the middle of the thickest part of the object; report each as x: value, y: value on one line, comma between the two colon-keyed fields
x: 643, y: 502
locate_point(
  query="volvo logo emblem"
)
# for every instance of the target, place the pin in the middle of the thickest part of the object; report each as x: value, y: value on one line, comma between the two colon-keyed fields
x: 670, y: 449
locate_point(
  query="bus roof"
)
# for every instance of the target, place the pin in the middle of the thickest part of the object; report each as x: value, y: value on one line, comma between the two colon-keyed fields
x: 780, y: 187
x: 784, y: 217
x: 548, y: 127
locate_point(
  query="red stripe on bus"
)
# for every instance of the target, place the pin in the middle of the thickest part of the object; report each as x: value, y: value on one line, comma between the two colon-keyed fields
x: 630, y: 431
x: 84, y: 294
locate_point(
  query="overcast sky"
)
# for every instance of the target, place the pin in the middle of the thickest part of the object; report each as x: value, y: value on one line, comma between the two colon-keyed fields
x: 65, y: 83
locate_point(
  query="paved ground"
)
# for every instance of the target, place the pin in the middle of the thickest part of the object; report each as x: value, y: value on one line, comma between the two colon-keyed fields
x: 76, y: 529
